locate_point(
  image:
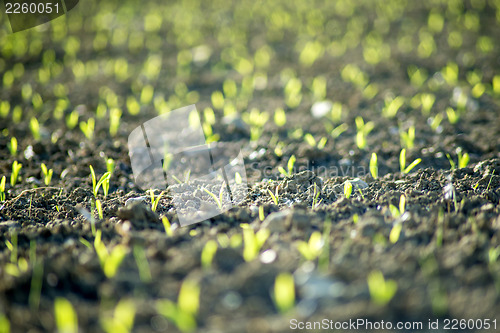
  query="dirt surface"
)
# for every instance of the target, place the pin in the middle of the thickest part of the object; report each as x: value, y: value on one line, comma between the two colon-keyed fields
x: 441, y: 249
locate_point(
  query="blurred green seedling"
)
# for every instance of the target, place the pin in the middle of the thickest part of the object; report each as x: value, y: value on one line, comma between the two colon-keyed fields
x: 65, y: 316
x: 141, y: 261
x: 167, y: 226
x: 16, y: 168
x: 35, y: 128
x: 347, y: 189
x: 253, y: 241
x: 381, y: 290
x: 122, y: 320
x: 284, y: 292
x: 87, y: 128
x: 290, y: 165
x: 208, y: 253
x: 279, y: 117
x: 311, y: 249
x: 408, y: 138
x: 47, y: 174
x: 183, y: 314
x: 362, y: 131
x: 110, y: 261
x: 392, y: 107
x: 12, y: 145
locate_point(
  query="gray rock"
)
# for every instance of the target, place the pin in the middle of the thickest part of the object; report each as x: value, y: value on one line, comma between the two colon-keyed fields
x: 131, y: 201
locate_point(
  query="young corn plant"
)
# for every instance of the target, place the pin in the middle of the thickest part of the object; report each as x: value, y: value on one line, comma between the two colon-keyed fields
x: 463, y: 160
x: 284, y: 292
x: 208, y: 253
x: 362, y: 132
x: 155, y: 201
x: 110, y: 261
x: 16, y: 168
x: 408, y: 138
x: 35, y: 128
x: 65, y: 316
x: 312, y: 249
x: 402, y: 162
x: 141, y: 261
x: 103, y: 181
x: 218, y: 200
x: 374, y: 166
x: 253, y: 242
x: 290, y: 165
x: 274, y: 196
x: 123, y: 318
x: 279, y: 117
x: 184, y: 313
x: 316, y: 193
x: 87, y: 128
x: 347, y: 189
x: 72, y: 120
x: 2, y: 189
x: 98, y: 206
x: 381, y: 290
x: 12, y: 145
x: 47, y: 174
x: 395, y: 211
x: 167, y: 226
x: 311, y: 141
x: 392, y: 107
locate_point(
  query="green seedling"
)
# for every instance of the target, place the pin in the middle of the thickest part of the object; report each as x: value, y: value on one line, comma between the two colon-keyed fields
x: 87, y: 128
x: 312, y: 249
x: 347, y: 189
x: 114, y: 120
x: 290, y: 165
x: 284, y: 292
x: 110, y: 165
x: 436, y: 121
x: 395, y: 211
x: 316, y: 193
x: 256, y: 120
x: 103, y: 181
x: 12, y: 146
x: 279, y: 117
x: 167, y: 226
x: 402, y: 162
x: 453, y: 116
x: 493, y: 254
x: 489, y: 183
x: 395, y: 232
x: 335, y: 133
x: 155, y: 201
x: 218, y: 200
x: 4, y: 324
x: 311, y: 141
x: 274, y: 196
x: 98, y: 206
x: 392, y: 107
x: 122, y: 320
x: 2, y: 189
x: 65, y: 316
x: 261, y: 213
x: 47, y: 174
x: 362, y: 131
x: 208, y: 253
x: 253, y: 242
x: 110, y: 261
x: 427, y: 101
x: 408, y: 138
x: 35, y: 128
x: 183, y: 314
x: 381, y: 290
x: 16, y: 168
x: 72, y: 120
x: 374, y: 166
x: 141, y: 261
x: 324, y: 257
